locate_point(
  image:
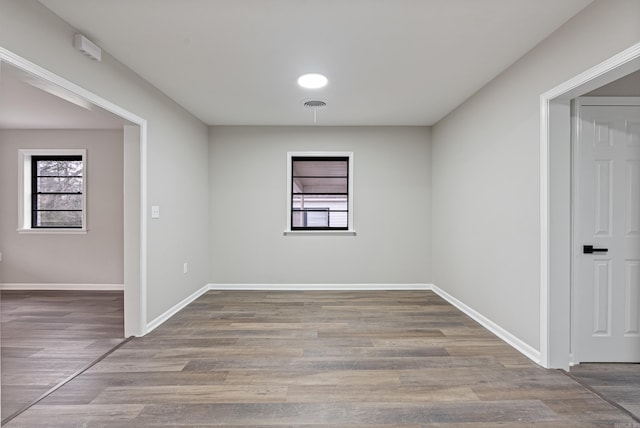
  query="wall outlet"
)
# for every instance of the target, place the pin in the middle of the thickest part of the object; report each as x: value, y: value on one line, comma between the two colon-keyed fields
x: 185, y: 268
x: 155, y: 211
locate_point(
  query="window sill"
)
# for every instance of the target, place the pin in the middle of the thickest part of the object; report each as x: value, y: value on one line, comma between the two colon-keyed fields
x: 320, y: 232
x: 52, y: 231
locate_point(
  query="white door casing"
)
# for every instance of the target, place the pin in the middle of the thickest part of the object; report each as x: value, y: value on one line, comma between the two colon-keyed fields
x: 606, y: 207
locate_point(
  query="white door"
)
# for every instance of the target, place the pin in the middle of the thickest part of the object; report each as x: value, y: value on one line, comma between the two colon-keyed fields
x: 606, y: 286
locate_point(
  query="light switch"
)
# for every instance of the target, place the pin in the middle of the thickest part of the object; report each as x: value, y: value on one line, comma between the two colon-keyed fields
x: 155, y: 211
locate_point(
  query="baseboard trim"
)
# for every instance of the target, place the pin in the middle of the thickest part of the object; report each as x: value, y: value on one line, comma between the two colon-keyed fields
x: 61, y: 287
x: 319, y: 287
x: 515, y: 342
x: 175, y: 309
x: 522, y: 347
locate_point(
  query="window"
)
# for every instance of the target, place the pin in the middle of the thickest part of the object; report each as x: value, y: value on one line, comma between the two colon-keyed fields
x: 56, y: 191
x: 53, y: 191
x: 320, y: 192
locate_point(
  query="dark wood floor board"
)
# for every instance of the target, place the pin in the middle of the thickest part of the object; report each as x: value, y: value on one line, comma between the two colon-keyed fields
x: 321, y: 359
x: 49, y: 335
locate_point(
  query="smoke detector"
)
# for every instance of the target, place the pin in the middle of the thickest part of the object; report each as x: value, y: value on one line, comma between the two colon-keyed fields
x: 87, y: 47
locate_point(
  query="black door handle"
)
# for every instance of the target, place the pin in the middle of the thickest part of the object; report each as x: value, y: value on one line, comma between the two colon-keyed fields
x: 588, y: 249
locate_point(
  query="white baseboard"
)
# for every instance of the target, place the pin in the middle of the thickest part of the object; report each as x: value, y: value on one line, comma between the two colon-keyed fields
x: 525, y: 349
x: 319, y: 287
x: 175, y: 309
x: 519, y: 345
x: 61, y: 287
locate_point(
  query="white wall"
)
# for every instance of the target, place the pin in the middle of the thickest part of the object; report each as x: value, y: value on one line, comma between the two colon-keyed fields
x: 94, y: 258
x: 486, y: 221
x: 392, y: 180
x: 177, y: 147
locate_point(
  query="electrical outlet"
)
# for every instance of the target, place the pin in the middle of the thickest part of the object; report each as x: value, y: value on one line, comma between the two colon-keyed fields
x: 155, y: 211
x: 185, y: 268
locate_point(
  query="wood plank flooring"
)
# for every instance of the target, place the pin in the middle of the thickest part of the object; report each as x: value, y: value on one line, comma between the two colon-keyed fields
x: 46, y: 336
x: 619, y: 383
x: 320, y: 359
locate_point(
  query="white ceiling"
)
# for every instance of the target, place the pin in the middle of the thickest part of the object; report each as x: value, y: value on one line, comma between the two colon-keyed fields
x: 389, y: 62
x: 28, y: 102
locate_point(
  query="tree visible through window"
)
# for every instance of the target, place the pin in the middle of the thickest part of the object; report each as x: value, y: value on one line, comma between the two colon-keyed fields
x: 320, y: 193
x: 57, y: 191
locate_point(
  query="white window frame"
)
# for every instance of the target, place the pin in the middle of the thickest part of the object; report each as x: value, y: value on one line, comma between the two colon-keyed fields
x: 351, y: 229
x: 24, y: 190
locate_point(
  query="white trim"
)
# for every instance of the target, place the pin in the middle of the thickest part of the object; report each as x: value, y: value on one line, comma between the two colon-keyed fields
x: 132, y: 326
x: 159, y: 320
x: 503, y: 334
x: 17, y: 61
x: 61, y: 287
x: 527, y: 350
x: 615, y: 67
x: 350, y: 201
x: 544, y: 231
x: 319, y: 287
x: 524, y: 348
x: 320, y: 232
x: 52, y: 231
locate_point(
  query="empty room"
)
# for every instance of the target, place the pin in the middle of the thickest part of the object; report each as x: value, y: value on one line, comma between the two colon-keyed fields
x: 290, y: 213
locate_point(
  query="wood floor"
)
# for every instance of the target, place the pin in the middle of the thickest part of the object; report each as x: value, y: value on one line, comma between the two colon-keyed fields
x: 321, y: 359
x: 49, y: 335
x: 619, y: 383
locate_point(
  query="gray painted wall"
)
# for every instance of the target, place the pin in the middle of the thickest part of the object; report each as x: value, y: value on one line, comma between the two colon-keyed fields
x: 627, y: 86
x: 486, y: 220
x: 177, y: 148
x: 392, y: 192
x: 94, y: 258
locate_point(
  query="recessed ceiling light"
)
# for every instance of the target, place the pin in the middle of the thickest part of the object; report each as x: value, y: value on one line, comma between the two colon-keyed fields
x: 312, y: 81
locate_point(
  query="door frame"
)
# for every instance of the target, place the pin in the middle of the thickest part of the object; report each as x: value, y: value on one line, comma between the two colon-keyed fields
x: 576, y: 241
x: 555, y: 202
x: 135, y: 193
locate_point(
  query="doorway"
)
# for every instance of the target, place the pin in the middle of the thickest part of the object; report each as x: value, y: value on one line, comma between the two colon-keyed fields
x: 555, y: 202
x: 135, y: 190
x: 133, y: 309
x: 606, y: 229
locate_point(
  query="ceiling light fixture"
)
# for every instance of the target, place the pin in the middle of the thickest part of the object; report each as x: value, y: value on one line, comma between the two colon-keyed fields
x: 312, y: 81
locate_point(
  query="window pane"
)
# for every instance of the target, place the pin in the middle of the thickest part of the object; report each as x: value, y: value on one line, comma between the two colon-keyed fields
x: 59, y: 202
x: 60, y: 184
x: 297, y: 219
x: 320, y: 185
x: 320, y: 168
x: 58, y: 219
x: 59, y: 167
x: 317, y: 218
x: 331, y: 202
x: 338, y: 219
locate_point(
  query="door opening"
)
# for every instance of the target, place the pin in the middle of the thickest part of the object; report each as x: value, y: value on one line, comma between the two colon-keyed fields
x: 555, y: 206
x: 135, y: 191
x: 605, y: 322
